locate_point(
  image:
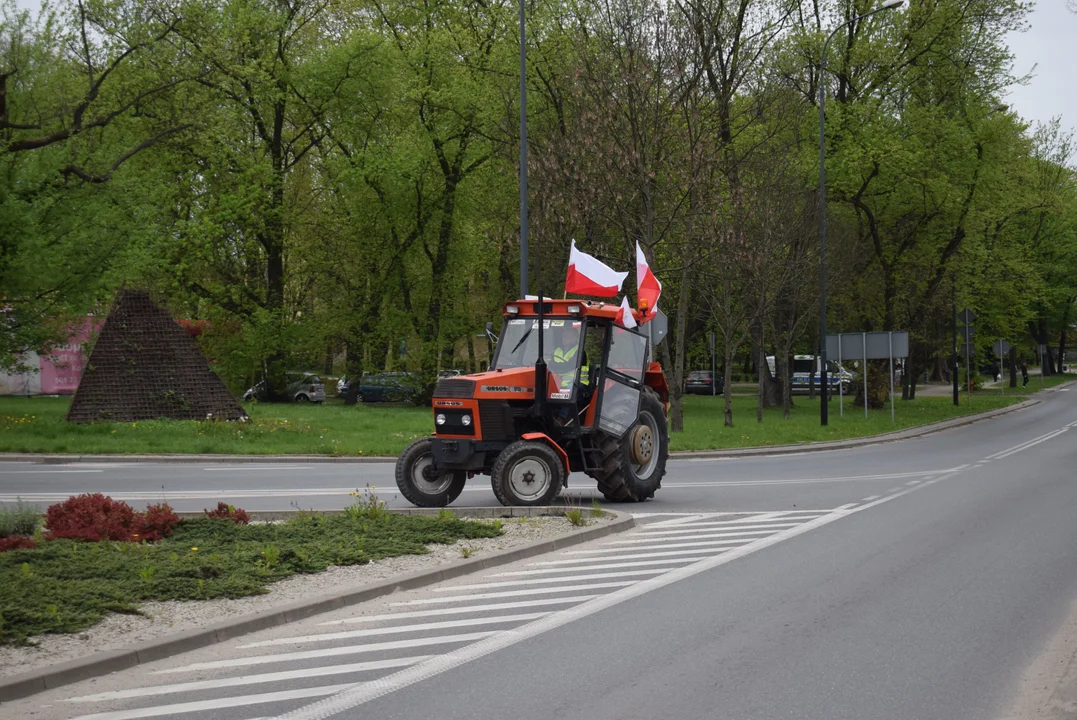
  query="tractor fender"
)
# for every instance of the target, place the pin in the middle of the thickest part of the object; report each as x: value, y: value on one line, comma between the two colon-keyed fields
x: 655, y: 379
x: 546, y: 439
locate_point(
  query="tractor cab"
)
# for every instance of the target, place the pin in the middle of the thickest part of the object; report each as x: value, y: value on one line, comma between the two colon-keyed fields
x: 570, y: 389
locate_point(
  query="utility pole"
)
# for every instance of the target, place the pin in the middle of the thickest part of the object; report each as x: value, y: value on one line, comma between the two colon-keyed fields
x: 523, y: 156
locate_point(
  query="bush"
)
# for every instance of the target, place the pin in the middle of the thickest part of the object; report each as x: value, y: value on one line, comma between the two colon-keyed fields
x: 225, y: 511
x: 17, y: 543
x: 157, y: 522
x: 22, y: 520
x: 96, y: 517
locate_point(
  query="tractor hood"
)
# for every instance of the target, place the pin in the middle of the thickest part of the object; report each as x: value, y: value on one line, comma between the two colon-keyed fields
x: 510, y: 384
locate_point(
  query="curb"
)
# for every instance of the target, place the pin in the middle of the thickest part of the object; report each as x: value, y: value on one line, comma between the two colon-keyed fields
x: 908, y: 433
x: 30, y: 683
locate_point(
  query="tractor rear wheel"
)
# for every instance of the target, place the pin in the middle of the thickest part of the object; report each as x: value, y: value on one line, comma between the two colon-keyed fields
x: 421, y: 482
x: 632, y: 467
x: 527, y: 473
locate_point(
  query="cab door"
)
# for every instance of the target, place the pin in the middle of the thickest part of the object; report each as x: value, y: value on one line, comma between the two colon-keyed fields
x: 621, y: 382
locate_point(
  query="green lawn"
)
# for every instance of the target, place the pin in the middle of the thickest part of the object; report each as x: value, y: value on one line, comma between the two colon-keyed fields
x: 64, y: 586
x: 37, y: 425
x: 704, y: 428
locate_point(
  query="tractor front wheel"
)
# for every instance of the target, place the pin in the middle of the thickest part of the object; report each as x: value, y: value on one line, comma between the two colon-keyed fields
x: 421, y: 482
x: 527, y: 473
x: 632, y: 467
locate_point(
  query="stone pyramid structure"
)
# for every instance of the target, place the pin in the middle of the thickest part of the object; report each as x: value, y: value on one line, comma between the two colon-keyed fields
x: 144, y: 366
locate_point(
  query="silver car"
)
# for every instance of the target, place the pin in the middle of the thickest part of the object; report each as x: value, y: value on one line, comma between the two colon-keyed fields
x: 302, y: 387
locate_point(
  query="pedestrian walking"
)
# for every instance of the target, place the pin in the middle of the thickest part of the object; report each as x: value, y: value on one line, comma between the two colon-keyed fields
x: 1024, y: 373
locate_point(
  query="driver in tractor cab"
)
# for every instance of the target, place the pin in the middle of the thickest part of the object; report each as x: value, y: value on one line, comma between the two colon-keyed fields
x: 566, y: 346
x: 568, y: 343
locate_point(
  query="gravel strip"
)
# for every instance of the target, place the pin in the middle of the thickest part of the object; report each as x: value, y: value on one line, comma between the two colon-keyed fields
x: 163, y: 618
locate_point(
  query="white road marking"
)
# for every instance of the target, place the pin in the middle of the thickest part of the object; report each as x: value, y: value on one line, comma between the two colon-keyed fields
x: 1032, y: 443
x: 514, y: 593
x: 802, y: 481
x: 635, y: 556
x: 372, y: 632
x: 549, y: 581
x: 366, y: 692
x: 437, y: 612
x: 202, y: 705
x: 60, y: 470
x: 1027, y: 444
x: 247, y: 468
x: 607, y: 566
x: 704, y: 543
x: 327, y: 652
x: 709, y: 528
x: 747, y: 534
x: 869, y: 498
x: 250, y: 679
x: 760, y: 521
x: 913, y: 482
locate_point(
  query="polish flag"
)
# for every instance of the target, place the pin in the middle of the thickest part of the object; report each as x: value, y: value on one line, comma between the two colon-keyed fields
x: 648, y: 289
x: 624, y: 315
x: 589, y: 276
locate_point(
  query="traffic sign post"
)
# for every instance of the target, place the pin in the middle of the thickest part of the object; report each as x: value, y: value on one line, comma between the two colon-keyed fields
x: 1001, y: 347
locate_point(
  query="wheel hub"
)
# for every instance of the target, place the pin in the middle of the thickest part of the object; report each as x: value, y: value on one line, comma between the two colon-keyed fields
x: 427, y: 478
x: 529, y: 478
x: 641, y: 444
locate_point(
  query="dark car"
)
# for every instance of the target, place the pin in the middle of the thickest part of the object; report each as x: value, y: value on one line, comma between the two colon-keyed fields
x: 384, y: 387
x: 701, y: 382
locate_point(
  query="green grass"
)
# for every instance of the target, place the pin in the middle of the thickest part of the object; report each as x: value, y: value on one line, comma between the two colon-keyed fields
x: 704, y: 428
x: 36, y: 425
x: 64, y: 586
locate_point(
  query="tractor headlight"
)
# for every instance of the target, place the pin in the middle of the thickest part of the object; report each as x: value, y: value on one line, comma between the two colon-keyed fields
x: 440, y: 419
x: 466, y: 419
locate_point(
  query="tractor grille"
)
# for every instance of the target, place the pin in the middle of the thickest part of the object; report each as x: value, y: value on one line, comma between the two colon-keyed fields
x: 496, y: 416
x: 455, y: 388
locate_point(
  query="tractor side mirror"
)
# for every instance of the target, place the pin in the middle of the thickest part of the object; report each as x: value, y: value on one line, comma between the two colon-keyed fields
x: 490, y: 333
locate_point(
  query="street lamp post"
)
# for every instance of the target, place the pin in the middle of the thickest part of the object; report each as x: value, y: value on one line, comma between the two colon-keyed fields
x: 523, y: 155
x: 824, y: 382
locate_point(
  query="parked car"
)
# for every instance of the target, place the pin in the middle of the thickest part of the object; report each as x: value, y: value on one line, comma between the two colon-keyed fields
x: 301, y: 387
x: 702, y: 382
x: 806, y: 372
x: 384, y: 387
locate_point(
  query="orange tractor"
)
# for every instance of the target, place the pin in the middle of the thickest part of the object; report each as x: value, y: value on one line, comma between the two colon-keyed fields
x: 581, y: 395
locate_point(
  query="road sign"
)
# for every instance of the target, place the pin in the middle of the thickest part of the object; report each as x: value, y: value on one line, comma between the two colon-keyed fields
x: 966, y: 317
x: 968, y: 350
x: 1001, y: 347
x: 878, y: 345
x: 967, y: 333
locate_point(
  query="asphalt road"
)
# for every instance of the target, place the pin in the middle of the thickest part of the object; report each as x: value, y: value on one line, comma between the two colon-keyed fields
x: 912, y: 580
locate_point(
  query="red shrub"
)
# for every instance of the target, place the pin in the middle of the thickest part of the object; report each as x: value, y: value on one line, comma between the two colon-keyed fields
x: 157, y: 522
x: 225, y: 511
x: 91, y: 517
x: 17, y: 542
x: 97, y: 517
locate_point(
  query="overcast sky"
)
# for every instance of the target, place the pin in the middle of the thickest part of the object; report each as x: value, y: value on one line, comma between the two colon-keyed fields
x: 1048, y: 49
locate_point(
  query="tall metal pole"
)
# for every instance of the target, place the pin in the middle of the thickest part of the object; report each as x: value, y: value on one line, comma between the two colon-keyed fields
x: 824, y: 383
x: 824, y: 380
x: 523, y: 156
x: 954, y: 359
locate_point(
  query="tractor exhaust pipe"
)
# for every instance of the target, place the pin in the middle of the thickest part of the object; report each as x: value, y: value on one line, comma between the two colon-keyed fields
x: 541, y: 373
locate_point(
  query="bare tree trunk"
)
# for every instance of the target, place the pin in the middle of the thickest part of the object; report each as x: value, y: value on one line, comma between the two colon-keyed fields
x: 1013, y: 367
x: 676, y: 408
x: 763, y: 367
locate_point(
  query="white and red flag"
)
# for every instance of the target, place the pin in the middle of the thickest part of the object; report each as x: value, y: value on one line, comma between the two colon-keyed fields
x: 625, y: 318
x: 648, y: 289
x: 589, y: 276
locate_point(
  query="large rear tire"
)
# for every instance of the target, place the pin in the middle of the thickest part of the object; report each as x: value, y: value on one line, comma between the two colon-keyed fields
x: 421, y: 482
x: 633, y: 467
x: 527, y: 473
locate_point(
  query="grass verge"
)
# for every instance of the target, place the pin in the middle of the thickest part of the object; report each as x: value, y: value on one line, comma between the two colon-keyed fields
x: 704, y: 423
x: 64, y: 586
x: 36, y: 425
